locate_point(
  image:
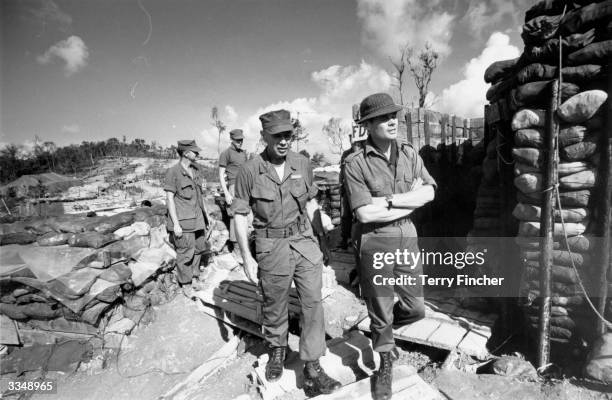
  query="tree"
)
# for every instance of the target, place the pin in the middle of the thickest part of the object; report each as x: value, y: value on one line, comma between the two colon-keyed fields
x: 217, y: 123
x: 422, y: 66
x: 400, y: 68
x: 305, y: 153
x: 336, y: 133
x: 318, y: 160
x: 300, y: 134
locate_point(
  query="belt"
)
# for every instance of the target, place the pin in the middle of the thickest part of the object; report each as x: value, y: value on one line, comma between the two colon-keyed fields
x: 281, y: 233
x: 376, y: 225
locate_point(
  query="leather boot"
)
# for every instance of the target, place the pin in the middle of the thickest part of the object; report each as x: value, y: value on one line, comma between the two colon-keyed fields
x: 316, y: 381
x: 382, y: 386
x: 274, y: 367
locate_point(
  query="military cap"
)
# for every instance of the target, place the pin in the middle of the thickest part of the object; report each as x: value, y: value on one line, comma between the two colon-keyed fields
x: 236, y: 134
x: 186, y: 145
x: 376, y: 105
x: 275, y: 122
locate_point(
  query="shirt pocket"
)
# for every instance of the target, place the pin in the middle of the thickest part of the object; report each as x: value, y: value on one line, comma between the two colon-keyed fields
x: 187, y: 190
x: 264, y: 200
x: 300, y: 193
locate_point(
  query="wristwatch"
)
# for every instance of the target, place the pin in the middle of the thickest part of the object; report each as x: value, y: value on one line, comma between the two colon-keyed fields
x: 389, y: 199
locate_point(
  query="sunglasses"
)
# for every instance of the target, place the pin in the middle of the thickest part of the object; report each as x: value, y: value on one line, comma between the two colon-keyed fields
x: 238, y: 140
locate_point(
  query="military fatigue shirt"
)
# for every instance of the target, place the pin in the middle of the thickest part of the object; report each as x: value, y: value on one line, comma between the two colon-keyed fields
x: 232, y: 159
x: 368, y: 173
x: 187, y: 197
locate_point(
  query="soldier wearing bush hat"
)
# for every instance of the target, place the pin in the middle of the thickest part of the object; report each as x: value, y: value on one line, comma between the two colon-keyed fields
x: 186, y: 218
x: 277, y: 185
x: 230, y: 162
x: 385, y: 182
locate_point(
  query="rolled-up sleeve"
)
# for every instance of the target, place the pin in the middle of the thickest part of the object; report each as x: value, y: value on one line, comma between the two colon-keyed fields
x: 242, y: 193
x: 355, y: 187
x: 170, y: 181
x: 313, y: 190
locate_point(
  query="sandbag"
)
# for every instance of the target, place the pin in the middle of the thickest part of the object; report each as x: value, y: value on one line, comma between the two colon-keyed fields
x: 545, y: 7
x: 580, y: 151
x: 539, y: 29
x: 94, y: 240
x: 529, y: 137
x: 579, y: 180
x: 17, y: 238
x: 528, y: 118
x: 119, y: 273
x: 576, y: 243
x: 530, y: 228
x: 548, y: 51
x: 560, y: 257
x: 568, y: 168
x: 573, y: 199
x: 571, y: 135
x: 40, y: 226
x: 499, y: 69
x: 31, y: 310
x: 498, y: 90
x: 528, y: 156
x: 520, y: 168
x: 528, y: 183
x: 559, y: 273
x: 585, y: 17
x: 599, y: 360
x: 530, y: 212
x: 537, y: 93
x: 92, y: 314
x: 54, y: 239
x: 111, y: 224
x: 579, y: 108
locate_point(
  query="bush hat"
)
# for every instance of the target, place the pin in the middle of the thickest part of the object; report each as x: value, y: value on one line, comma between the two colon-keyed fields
x: 376, y: 105
x: 275, y: 122
x: 186, y: 145
x: 236, y: 134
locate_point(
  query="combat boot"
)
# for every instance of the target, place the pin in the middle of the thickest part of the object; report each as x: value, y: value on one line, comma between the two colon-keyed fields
x: 382, y: 386
x: 316, y: 381
x: 274, y: 367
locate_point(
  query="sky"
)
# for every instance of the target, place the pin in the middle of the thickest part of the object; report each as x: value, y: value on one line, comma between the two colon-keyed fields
x: 89, y: 70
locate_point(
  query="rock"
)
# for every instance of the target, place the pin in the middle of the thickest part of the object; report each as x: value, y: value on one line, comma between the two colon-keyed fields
x: 514, y: 366
x: 599, y: 361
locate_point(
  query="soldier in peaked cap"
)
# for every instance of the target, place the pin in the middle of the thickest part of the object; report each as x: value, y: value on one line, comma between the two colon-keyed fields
x: 186, y: 218
x: 385, y: 182
x: 277, y: 185
x: 230, y: 162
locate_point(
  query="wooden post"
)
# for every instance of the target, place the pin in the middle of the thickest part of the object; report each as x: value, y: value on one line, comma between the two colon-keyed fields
x: 466, y: 129
x: 426, y: 127
x: 443, y: 123
x: 605, y: 172
x: 409, y: 126
x: 453, y: 147
x: 547, y: 225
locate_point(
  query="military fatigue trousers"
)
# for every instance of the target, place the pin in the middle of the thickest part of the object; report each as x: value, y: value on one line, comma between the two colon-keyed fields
x: 383, y: 313
x: 281, y: 261
x: 189, y: 247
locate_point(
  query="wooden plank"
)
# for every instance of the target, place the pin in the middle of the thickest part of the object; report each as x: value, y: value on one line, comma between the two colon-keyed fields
x: 447, y: 336
x: 9, y: 331
x: 418, y: 331
x: 426, y: 128
x: 407, y: 385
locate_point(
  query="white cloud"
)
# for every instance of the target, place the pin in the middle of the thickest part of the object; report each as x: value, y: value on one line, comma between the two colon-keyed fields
x: 467, y: 97
x: 340, y: 88
x: 72, y: 51
x: 390, y: 24
x: 71, y: 129
x: 484, y: 16
x: 230, y: 115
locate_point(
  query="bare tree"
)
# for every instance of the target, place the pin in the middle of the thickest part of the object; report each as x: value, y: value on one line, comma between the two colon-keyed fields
x: 400, y: 69
x: 300, y: 134
x: 336, y: 133
x: 422, y: 66
x: 217, y: 123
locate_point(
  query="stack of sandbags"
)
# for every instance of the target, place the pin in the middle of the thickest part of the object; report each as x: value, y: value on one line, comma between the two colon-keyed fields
x: 522, y: 86
x: 329, y: 199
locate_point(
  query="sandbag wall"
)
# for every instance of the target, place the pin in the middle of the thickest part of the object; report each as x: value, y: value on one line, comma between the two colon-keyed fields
x: 329, y: 194
x: 521, y: 87
x: 123, y: 271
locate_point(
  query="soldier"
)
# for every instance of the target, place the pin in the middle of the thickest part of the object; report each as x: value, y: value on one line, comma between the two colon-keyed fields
x: 385, y: 182
x: 277, y: 185
x: 230, y: 162
x: 186, y: 219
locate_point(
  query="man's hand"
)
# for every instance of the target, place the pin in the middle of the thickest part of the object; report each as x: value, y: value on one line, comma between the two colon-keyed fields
x: 228, y: 198
x: 250, y: 268
x: 326, y: 222
x: 178, y: 231
x: 417, y: 183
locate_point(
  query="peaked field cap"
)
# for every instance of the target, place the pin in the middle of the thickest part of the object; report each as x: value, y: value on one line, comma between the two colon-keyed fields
x: 186, y: 145
x: 275, y: 122
x: 376, y: 105
x: 236, y: 134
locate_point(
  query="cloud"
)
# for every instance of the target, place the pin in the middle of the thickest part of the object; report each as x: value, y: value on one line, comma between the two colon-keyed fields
x: 72, y: 51
x: 339, y: 88
x: 230, y: 115
x: 466, y: 98
x: 484, y: 16
x: 48, y: 14
x: 71, y: 129
x: 388, y: 25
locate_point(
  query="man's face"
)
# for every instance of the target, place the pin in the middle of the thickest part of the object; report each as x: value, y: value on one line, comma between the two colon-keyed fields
x: 278, y: 144
x: 190, y: 155
x: 383, y: 127
x: 237, y: 143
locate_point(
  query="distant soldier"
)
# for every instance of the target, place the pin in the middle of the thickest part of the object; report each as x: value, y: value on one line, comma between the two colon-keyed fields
x: 385, y: 182
x: 278, y: 186
x: 230, y: 162
x: 186, y: 219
